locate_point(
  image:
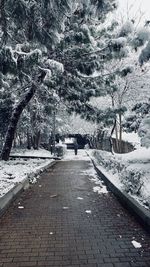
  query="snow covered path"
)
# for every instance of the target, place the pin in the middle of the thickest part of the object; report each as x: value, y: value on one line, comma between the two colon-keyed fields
x: 68, y: 218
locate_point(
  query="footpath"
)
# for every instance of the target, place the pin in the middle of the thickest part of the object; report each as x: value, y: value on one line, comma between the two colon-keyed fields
x: 66, y: 220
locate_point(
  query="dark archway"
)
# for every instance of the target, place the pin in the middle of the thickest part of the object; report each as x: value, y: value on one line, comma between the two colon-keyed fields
x: 81, y: 140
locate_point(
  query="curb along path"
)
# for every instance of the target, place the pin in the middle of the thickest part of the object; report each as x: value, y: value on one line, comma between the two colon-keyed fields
x: 60, y: 221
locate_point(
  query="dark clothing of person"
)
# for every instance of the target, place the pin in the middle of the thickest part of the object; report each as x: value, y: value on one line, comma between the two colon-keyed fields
x: 75, y: 148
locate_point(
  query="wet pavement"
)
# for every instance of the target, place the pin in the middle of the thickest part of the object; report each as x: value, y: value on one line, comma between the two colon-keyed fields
x: 61, y: 221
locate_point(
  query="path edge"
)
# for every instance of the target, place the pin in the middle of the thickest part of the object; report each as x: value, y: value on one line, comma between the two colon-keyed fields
x: 11, y: 195
x: 141, y: 213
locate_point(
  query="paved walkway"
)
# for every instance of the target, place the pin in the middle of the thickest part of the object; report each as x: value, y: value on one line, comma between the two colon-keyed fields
x: 60, y: 221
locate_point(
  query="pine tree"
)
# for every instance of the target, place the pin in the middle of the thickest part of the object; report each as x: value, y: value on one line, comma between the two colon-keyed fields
x: 30, y: 32
x: 28, y: 29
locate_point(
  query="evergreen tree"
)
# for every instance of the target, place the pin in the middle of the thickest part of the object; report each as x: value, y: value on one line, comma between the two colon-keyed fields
x: 26, y: 27
x: 30, y: 32
x: 137, y: 114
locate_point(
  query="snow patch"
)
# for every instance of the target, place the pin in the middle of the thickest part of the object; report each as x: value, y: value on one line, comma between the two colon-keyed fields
x: 100, y: 190
x: 16, y: 171
x: 88, y: 211
x: 70, y: 155
x: 136, y: 244
x: 26, y: 152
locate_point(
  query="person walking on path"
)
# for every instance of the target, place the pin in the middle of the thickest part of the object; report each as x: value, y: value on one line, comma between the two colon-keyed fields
x: 75, y: 147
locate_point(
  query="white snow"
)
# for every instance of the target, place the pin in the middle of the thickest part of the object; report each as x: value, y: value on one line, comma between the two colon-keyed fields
x: 129, y: 172
x: 136, y: 244
x: 100, y: 190
x: 69, y: 140
x: 132, y: 138
x: 70, y: 155
x: 35, y: 153
x: 13, y: 172
x: 88, y: 211
x: 139, y: 155
x: 91, y: 172
x: 55, y: 65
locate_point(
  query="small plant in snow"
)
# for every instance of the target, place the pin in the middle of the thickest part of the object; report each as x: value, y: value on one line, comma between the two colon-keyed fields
x: 131, y: 180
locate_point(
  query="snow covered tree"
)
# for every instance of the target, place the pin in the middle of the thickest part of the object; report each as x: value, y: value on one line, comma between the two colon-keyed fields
x: 144, y: 127
x: 136, y: 115
x: 124, y: 78
x: 30, y: 31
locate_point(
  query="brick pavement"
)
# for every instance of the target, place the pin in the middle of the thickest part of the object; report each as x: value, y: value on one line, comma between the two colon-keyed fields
x: 53, y: 228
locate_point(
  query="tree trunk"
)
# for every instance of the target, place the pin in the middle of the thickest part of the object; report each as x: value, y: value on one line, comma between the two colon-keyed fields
x: 37, y: 138
x: 110, y: 139
x: 115, y: 127
x: 13, y: 122
x: 29, y: 140
x: 15, y: 141
x: 120, y: 133
x: 20, y: 140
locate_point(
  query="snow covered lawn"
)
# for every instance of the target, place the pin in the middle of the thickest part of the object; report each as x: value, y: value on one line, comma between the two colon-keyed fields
x: 130, y: 172
x: 15, y: 171
x: 32, y: 153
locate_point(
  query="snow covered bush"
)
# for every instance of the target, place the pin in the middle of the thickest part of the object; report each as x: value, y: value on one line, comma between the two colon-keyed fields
x: 145, y: 54
x: 126, y: 29
x: 129, y: 172
x: 131, y: 180
x: 60, y: 150
x: 108, y: 161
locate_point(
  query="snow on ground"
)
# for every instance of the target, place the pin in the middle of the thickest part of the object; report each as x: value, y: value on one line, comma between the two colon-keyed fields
x: 100, y: 190
x: 130, y: 172
x: 15, y: 171
x: 36, y: 153
x: 136, y: 244
x: 99, y: 187
x: 88, y: 211
x: 132, y: 138
x: 70, y: 155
